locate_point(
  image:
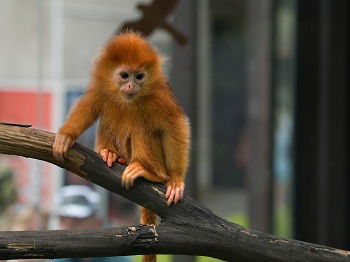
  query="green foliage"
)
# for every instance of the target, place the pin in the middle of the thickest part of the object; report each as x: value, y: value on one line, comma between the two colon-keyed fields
x: 239, y: 218
x: 283, y: 222
x: 7, y: 187
x: 207, y: 259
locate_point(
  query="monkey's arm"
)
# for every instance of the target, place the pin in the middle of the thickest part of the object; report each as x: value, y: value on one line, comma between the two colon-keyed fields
x: 82, y: 115
x: 176, y: 145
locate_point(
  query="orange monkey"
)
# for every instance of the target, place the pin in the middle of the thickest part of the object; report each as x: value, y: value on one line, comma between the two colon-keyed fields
x: 141, y: 123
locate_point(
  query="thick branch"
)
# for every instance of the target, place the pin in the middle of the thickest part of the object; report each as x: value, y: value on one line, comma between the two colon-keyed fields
x: 187, y: 228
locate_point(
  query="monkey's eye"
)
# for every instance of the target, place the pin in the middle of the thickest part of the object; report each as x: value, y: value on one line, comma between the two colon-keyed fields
x: 140, y: 76
x: 124, y: 75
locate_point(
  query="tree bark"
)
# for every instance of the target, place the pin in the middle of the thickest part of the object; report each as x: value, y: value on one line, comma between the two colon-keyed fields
x: 188, y: 228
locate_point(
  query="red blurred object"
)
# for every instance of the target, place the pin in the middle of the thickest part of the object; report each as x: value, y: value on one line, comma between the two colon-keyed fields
x: 23, y: 108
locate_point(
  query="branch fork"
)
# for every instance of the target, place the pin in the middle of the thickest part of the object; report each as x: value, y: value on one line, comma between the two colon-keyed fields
x: 188, y: 228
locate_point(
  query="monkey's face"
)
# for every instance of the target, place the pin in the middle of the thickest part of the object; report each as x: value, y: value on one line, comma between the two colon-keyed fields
x: 130, y: 82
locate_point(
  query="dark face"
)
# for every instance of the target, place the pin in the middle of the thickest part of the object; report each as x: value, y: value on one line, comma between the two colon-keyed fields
x: 130, y: 82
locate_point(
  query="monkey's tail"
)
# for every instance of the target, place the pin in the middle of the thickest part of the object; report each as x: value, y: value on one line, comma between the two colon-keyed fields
x: 148, y: 218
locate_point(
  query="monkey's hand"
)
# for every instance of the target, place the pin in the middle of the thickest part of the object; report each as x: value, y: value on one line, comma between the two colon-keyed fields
x: 110, y: 157
x: 61, y: 146
x: 175, y: 190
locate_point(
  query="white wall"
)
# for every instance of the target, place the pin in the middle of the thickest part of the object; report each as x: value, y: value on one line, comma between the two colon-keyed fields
x: 54, y: 39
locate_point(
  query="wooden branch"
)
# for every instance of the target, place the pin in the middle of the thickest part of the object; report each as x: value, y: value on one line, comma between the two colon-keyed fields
x: 188, y: 228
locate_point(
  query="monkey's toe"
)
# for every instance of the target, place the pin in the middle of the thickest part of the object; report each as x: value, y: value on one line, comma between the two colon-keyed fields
x: 132, y: 171
x: 128, y: 179
x: 174, y: 192
x: 110, y: 157
x: 121, y: 160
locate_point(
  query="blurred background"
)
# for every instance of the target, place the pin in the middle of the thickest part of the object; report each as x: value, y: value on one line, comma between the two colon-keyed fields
x: 264, y: 82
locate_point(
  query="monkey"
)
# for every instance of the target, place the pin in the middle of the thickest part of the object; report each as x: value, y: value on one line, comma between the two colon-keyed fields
x: 141, y: 124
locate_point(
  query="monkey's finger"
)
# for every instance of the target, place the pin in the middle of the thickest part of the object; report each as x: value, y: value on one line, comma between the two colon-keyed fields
x: 181, y: 193
x: 104, y: 153
x: 55, y: 147
x: 109, y: 159
x: 134, y: 176
x: 129, y: 176
x: 132, y: 166
x: 63, y: 146
x: 60, y: 149
x: 177, y: 195
x: 57, y: 138
x: 171, y: 197
x: 168, y: 190
x: 67, y: 146
x: 125, y: 178
x: 135, y: 169
x: 127, y: 182
x: 63, y: 142
x: 114, y: 158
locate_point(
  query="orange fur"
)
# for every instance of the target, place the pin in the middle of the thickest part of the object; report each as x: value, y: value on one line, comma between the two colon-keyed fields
x: 150, y: 130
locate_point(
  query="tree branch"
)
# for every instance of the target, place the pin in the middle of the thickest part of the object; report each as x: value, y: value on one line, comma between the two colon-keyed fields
x: 186, y: 228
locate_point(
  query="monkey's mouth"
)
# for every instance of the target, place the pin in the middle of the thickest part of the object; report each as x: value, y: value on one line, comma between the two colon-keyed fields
x: 129, y: 96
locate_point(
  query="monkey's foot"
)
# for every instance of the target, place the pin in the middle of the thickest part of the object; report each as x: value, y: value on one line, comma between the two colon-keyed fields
x: 175, y: 190
x: 135, y: 170
x: 131, y: 172
x: 110, y: 157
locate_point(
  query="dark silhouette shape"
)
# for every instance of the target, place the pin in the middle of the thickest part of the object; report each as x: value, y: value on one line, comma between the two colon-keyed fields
x: 154, y: 16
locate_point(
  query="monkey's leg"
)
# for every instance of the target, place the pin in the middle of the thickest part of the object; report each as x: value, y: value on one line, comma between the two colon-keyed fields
x: 110, y: 157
